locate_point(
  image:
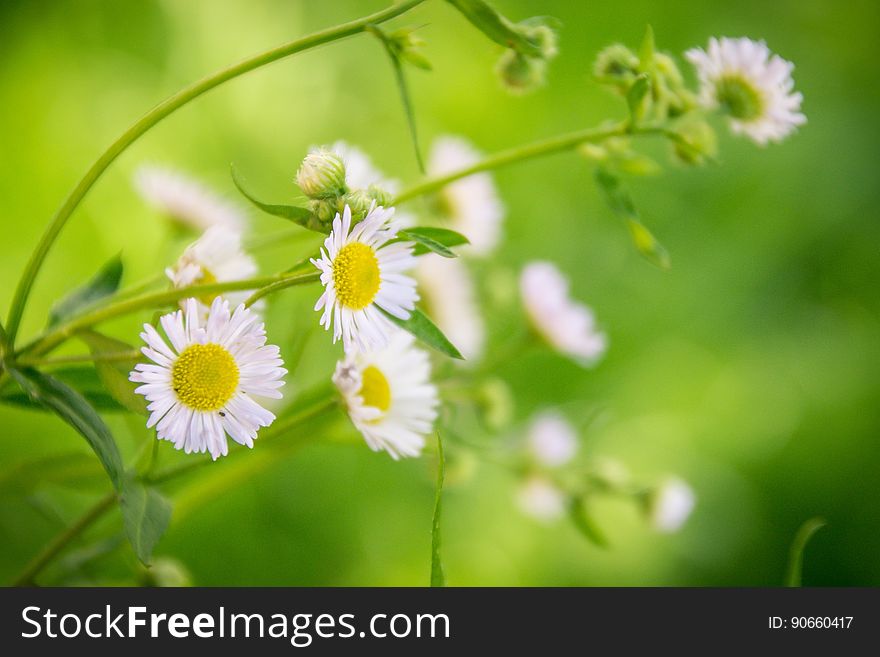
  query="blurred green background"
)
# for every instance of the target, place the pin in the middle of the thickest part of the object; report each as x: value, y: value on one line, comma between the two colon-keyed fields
x: 750, y: 369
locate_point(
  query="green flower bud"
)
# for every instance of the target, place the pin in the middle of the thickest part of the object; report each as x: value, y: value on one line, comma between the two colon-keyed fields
x: 697, y: 143
x: 520, y: 74
x: 322, y: 175
x: 324, y: 211
x: 616, y: 65
x: 379, y: 195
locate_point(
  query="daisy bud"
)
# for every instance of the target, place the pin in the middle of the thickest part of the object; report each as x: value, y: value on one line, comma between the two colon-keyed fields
x: 669, y: 505
x: 322, y: 175
x: 616, y: 65
x: 520, y: 73
x: 698, y: 143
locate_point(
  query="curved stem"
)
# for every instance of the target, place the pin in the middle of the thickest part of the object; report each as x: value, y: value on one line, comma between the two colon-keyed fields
x: 60, y: 333
x: 153, y: 117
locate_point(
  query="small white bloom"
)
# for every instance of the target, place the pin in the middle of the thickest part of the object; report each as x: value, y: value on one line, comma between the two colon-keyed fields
x: 671, y: 505
x: 541, y: 499
x: 363, y: 275
x: 187, y: 201
x: 471, y: 204
x: 449, y: 292
x: 552, y: 440
x: 201, y: 385
x: 216, y: 257
x: 751, y: 84
x: 389, y: 396
x: 566, y: 325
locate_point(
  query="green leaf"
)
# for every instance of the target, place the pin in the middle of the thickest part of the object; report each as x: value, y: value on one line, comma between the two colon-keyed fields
x: 794, y: 573
x: 429, y: 239
x: 620, y: 202
x: 395, y: 54
x: 292, y: 213
x: 73, y: 470
x: 103, y: 284
x: 438, y: 577
x: 145, y: 514
x: 495, y: 26
x: 424, y: 329
x: 70, y: 406
x: 114, y: 374
x: 584, y: 522
x: 635, y: 97
x: 83, y: 379
x: 647, y: 49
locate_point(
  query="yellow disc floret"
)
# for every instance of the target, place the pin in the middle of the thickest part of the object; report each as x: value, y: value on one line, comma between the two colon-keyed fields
x: 375, y: 390
x: 356, y: 275
x: 204, y: 377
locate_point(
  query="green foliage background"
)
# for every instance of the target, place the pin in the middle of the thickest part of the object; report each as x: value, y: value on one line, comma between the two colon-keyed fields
x: 750, y: 369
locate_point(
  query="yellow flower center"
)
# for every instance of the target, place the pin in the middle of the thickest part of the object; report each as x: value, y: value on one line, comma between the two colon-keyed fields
x: 204, y: 377
x: 356, y: 275
x: 375, y: 390
x: 207, y: 278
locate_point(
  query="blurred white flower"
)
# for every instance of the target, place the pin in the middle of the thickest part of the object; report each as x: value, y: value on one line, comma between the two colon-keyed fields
x: 362, y: 273
x: 216, y: 257
x: 360, y: 172
x: 201, y: 386
x: 751, y: 84
x: 541, y: 499
x: 187, y: 201
x: 566, y: 325
x: 671, y: 505
x: 451, y: 298
x: 389, y: 395
x: 552, y: 440
x: 471, y: 204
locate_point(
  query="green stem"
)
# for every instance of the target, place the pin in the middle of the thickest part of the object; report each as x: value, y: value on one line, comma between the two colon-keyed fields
x: 153, y: 117
x: 60, y: 333
x: 528, y: 151
x: 108, y: 357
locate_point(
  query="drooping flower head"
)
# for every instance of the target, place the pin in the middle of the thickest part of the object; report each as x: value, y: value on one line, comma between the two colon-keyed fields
x: 203, y: 379
x: 389, y: 396
x: 471, y: 205
x: 751, y: 85
x: 187, y: 201
x: 448, y: 290
x: 552, y: 440
x: 568, y: 326
x: 216, y: 257
x: 362, y: 270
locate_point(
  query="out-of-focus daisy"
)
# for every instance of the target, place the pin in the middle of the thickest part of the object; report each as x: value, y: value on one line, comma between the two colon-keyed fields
x: 389, y: 396
x: 471, y: 204
x: 216, y: 257
x: 670, y: 505
x: 552, y: 441
x: 566, y: 325
x: 362, y: 273
x: 187, y: 201
x: 448, y: 290
x: 541, y: 499
x: 202, y: 380
x: 751, y: 85
x: 360, y: 172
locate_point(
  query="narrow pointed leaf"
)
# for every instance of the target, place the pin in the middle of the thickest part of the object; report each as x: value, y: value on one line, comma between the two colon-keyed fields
x: 794, y: 574
x: 438, y: 577
x: 437, y: 240
x: 83, y: 379
x: 495, y: 26
x: 114, y: 374
x: 145, y: 515
x: 427, y: 332
x: 292, y: 213
x: 103, y: 284
x: 635, y: 97
x: 71, y: 407
x: 647, y: 49
x: 585, y: 524
x: 648, y: 245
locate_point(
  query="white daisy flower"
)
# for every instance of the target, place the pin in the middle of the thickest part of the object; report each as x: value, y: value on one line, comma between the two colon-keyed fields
x: 566, y: 325
x: 362, y: 274
x: 671, y: 505
x: 201, y: 385
x: 389, y: 396
x: 187, y: 201
x: 552, y: 440
x: 451, y: 298
x: 471, y: 204
x: 541, y: 499
x: 216, y: 257
x: 752, y: 85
